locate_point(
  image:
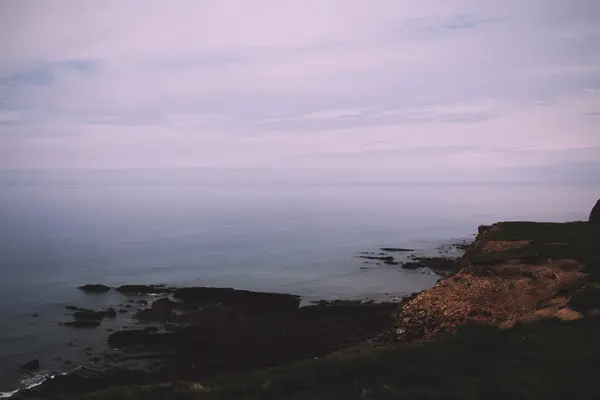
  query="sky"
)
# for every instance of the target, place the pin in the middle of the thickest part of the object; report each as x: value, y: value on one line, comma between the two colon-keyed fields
x: 441, y: 89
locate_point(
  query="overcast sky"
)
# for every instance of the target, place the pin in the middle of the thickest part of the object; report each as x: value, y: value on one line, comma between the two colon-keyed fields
x: 430, y: 88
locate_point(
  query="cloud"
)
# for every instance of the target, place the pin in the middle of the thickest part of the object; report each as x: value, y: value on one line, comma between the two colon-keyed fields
x: 282, y: 84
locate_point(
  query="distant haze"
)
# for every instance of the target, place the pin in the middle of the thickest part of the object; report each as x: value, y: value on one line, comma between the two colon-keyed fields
x: 273, y: 89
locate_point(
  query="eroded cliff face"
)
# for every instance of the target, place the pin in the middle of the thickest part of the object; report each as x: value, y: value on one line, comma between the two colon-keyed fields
x: 506, y: 277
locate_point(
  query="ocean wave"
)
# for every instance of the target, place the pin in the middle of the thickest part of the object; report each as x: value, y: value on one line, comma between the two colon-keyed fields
x: 30, y: 382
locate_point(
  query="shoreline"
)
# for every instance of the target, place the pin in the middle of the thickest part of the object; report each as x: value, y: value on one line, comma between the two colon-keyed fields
x: 514, y: 275
x: 137, y: 299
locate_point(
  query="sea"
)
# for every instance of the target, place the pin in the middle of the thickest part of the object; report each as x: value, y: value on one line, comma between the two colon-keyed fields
x: 58, y: 232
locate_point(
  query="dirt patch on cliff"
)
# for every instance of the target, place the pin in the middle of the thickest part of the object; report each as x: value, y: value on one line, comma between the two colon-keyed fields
x: 502, y: 245
x: 499, y: 296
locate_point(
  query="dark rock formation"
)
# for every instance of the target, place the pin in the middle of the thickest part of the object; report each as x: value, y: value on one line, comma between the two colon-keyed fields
x: 95, y: 288
x: 412, y: 265
x: 82, y: 324
x: 32, y: 365
x: 232, y: 297
x: 396, y: 249
x: 88, y: 315
x: 161, y: 310
x: 111, y: 312
x: 143, y: 289
x: 595, y: 214
x: 382, y: 258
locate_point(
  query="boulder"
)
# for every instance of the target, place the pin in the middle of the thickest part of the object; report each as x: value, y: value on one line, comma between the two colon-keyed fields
x: 143, y: 289
x: 595, y: 214
x: 161, y: 310
x: 88, y: 315
x: 139, y: 338
x: 412, y: 265
x: 111, y: 312
x: 396, y: 249
x: 237, y: 298
x: 82, y: 324
x: 95, y: 288
x: 382, y: 258
x: 32, y: 365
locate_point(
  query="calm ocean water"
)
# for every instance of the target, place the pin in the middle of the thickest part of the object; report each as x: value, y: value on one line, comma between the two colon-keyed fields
x: 303, y: 239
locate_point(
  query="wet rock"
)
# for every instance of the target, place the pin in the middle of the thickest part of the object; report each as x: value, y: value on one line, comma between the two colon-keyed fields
x: 95, y: 288
x: 88, y: 315
x: 241, y: 298
x: 137, y: 338
x: 122, y: 311
x: 32, y: 365
x: 142, y: 302
x: 82, y: 324
x: 595, y: 214
x: 110, y: 312
x: 382, y: 258
x: 161, y: 310
x: 396, y: 249
x: 74, y: 308
x: 391, y: 262
x: 412, y: 265
x: 437, y: 263
x: 143, y: 289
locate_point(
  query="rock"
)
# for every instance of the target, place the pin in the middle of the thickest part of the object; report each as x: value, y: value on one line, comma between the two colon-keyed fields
x: 32, y: 365
x: 240, y: 298
x: 382, y: 258
x: 412, y: 265
x: 122, y: 311
x: 95, y: 288
x: 142, y: 302
x: 396, y: 249
x: 89, y: 315
x: 138, y: 338
x: 161, y: 310
x: 391, y: 262
x: 143, y: 289
x: 82, y: 324
x: 595, y: 214
x: 73, y: 308
x: 110, y: 312
x: 437, y: 263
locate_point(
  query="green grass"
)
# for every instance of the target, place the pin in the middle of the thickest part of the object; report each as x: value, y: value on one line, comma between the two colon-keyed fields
x: 544, y: 360
x: 574, y: 240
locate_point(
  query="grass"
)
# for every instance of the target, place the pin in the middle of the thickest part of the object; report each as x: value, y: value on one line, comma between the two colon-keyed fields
x: 574, y: 240
x: 543, y: 360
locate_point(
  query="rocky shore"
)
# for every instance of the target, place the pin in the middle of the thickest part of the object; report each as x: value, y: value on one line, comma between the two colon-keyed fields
x: 538, y: 280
